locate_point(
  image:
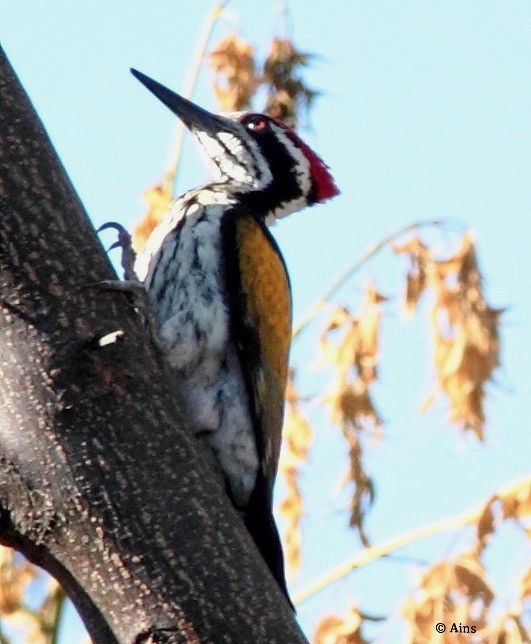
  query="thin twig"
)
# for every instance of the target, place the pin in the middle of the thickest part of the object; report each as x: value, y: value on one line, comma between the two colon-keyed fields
x: 351, y: 270
x: 60, y: 603
x: 285, y: 21
x: 368, y: 555
x: 381, y: 550
x: 193, y: 73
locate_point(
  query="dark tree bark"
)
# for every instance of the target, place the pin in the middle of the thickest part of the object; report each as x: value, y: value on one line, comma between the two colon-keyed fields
x: 100, y: 484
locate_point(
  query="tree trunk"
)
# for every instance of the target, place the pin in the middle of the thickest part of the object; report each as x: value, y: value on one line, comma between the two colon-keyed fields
x: 100, y: 484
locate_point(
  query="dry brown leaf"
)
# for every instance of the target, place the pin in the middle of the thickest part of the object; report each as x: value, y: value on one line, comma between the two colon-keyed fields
x: 297, y: 434
x: 465, y: 331
x: 297, y: 439
x: 27, y: 627
x: 416, y: 279
x: 363, y: 496
x: 485, y: 524
x: 353, y: 406
x: 505, y: 629
x: 339, y: 317
x: 413, y: 246
x: 451, y: 592
x: 287, y: 93
x: 15, y: 577
x: 158, y: 202
x: 340, y: 630
x: 514, y: 503
x: 350, y: 345
x: 49, y: 611
x: 292, y: 509
x: 525, y: 585
x: 235, y: 77
x: 416, y: 283
x: 33, y: 625
x: 517, y: 503
x: 470, y: 579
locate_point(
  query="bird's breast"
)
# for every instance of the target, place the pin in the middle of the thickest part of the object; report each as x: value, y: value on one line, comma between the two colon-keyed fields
x: 186, y: 284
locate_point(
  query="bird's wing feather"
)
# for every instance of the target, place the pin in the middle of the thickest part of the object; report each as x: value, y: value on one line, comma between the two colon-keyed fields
x: 260, y: 312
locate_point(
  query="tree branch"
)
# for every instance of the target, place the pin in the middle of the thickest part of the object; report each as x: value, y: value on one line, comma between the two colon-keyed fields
x: 100, y: 483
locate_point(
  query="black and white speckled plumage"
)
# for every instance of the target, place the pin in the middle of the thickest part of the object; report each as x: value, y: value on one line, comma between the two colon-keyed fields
x: 182, y: 270
x: 211, y: 326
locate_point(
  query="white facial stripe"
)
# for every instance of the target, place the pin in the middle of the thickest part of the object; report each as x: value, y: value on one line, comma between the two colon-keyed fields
x: 239, y: 164
x: 211, y: 150
x: 229, y: 157
x: 238, y: 157
x: 288, y: 207
x: 232, y: 143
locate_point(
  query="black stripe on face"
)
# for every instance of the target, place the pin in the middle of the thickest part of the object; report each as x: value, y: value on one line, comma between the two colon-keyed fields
x: 284, y: 186
x: 251, y: 154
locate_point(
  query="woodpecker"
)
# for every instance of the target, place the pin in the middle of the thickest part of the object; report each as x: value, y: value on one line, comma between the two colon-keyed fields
x: 222, y: 295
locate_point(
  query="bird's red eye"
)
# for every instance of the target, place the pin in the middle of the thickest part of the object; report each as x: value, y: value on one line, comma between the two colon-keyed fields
x: 257, y: 124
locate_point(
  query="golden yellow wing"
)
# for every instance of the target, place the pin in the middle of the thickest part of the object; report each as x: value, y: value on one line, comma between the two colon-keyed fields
x: 260, y: 311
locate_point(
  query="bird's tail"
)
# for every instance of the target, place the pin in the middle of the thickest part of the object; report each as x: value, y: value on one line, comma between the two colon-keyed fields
x: 261, y: 525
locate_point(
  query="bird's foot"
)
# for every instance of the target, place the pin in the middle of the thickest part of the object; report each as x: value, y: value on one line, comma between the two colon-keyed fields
x: 124, y: 242
x: 130, y: 286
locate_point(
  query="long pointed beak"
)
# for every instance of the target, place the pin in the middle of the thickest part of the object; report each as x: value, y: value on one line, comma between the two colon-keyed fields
x: 194, y: 117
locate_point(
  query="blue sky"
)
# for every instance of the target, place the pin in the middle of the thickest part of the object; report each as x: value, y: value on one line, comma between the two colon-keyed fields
x: 424, y: 114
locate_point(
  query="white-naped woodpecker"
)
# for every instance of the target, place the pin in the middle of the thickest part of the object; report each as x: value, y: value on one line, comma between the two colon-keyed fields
x: 219, y: 285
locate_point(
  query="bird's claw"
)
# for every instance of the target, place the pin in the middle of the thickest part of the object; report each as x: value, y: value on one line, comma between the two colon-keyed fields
x: 124, y: 242
x: 130, y: 285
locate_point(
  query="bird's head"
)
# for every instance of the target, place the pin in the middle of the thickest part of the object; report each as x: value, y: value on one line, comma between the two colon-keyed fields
x: 259, y: 158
